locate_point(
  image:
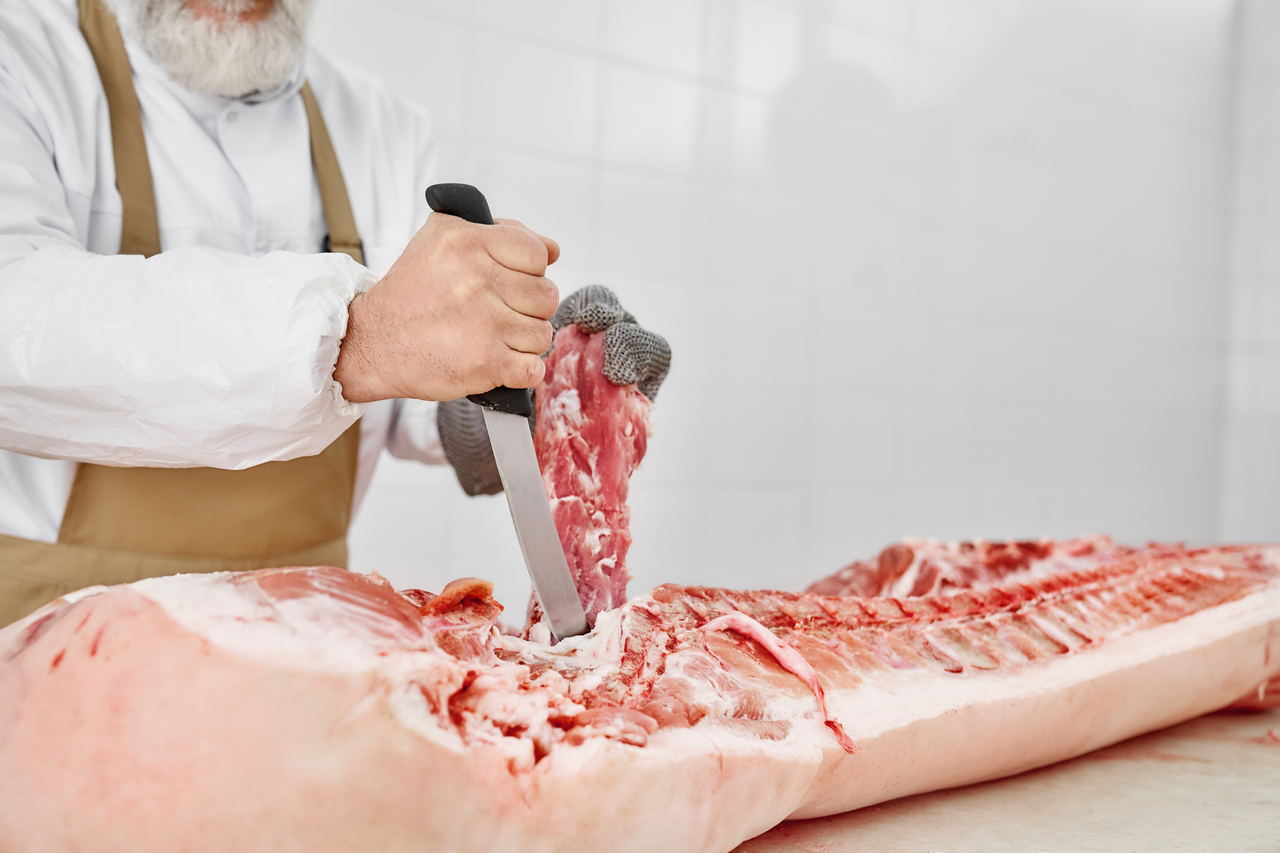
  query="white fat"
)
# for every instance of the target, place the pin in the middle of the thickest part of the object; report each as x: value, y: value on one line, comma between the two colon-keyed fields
x: 600, y: 650
x: 539, y: 633
x: 567, y: 407
x: 413, y: 687
x: 72, y: 597
x: 571, y: 761
x: 806, y: 740
x: 314, y: 633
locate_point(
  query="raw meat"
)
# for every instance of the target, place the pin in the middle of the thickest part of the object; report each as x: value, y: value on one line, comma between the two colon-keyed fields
x: 923, y: 566
x: 591, y: 435
x: 314, y: 709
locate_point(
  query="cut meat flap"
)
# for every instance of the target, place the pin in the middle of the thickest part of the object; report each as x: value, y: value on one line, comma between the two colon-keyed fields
x: 590, y: 436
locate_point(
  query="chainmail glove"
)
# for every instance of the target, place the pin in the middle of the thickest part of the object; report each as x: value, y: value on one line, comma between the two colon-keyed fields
x: 631, y: 353
x: 466, y: 446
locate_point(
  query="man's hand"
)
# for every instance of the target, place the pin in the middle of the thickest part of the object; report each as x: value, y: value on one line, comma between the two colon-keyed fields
x: 463, y: 310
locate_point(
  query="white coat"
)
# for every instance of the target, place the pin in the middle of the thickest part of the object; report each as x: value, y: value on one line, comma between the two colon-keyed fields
x: 220, y: 351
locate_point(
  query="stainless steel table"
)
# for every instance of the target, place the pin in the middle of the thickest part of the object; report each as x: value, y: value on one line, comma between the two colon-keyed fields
x: 1212, y: 784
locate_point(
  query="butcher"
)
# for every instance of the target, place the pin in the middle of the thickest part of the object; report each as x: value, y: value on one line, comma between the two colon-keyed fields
x: 222, y: 297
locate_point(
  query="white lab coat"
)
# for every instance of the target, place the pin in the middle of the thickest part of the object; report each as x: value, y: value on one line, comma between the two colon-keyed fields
x: 220, y: 351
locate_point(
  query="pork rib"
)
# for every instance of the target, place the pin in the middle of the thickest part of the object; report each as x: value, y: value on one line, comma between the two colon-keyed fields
x: 315, y: 709
x: 922, y: 566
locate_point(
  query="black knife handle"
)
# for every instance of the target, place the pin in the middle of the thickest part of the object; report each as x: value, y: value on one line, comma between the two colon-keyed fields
x: 466, y: 202
x: 461, y: 200
x: 513, y: 401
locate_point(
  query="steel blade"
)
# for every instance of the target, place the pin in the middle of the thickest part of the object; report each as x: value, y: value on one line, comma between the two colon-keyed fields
x: 535, y: 528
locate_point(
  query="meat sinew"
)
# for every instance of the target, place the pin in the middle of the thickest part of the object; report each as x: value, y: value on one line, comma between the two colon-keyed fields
x: 320, y: 710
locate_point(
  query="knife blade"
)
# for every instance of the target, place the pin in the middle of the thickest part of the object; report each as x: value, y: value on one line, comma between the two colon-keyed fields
x: 506, y: 416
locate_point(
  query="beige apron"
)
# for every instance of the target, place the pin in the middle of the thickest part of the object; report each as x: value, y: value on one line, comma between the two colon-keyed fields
x: 125, y: 524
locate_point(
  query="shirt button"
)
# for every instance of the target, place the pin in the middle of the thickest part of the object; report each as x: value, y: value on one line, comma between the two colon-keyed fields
x: 232, y: 116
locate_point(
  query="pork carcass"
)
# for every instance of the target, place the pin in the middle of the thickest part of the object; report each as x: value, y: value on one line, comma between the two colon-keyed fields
x: 314, y: 709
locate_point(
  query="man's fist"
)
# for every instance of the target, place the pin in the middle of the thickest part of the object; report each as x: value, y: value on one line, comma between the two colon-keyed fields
x: 463, y: 310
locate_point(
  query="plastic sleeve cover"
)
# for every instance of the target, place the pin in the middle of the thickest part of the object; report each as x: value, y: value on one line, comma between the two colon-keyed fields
x: 195, y: 357
x: 413, y: 433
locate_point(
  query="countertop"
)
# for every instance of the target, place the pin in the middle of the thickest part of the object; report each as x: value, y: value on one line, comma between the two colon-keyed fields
x: 1211, y: 784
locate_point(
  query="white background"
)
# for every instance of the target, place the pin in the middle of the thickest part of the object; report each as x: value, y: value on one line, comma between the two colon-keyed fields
x: 942, y: 268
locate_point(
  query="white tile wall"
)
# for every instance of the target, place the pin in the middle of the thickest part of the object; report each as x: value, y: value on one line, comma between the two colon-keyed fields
x: 945, y: 268
x: 1250, y: 473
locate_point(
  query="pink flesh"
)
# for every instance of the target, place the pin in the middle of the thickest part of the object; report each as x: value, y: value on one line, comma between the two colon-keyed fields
x: 590, y: 436
x: 921, y: 566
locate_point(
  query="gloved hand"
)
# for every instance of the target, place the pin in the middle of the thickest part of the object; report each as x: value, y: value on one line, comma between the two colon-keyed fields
x: 631, y: 354
x: 466, y: 445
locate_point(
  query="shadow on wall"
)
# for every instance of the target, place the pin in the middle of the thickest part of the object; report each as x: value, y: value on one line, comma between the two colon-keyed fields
x: 1014, y: 257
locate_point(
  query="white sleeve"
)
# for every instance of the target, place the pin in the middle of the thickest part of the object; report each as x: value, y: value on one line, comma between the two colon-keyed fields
x: 192, y: 358
x: 413, y: 434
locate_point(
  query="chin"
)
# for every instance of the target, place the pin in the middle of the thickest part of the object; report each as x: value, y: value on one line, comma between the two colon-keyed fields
x: 228, y: 58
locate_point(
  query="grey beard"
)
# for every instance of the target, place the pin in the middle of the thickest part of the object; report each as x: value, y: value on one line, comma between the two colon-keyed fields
x: 229, y: 59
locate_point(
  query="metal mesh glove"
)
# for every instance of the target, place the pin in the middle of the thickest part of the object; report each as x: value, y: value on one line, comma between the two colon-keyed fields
x: 631, y: 353
x: 466, y: 446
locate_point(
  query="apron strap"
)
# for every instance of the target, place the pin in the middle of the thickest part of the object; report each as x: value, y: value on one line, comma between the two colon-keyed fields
x: 343, y: 236
x: 140, y: 230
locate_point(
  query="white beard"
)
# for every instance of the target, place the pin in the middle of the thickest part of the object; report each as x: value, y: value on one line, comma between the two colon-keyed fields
x: 230, y: 58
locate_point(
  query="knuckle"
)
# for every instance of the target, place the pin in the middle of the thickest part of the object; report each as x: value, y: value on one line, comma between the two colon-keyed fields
x: 468, y: 234
x: 543, y: 299
x: 546, y: 336
x: 527, y: 253
x: 534, y: 371
x: 523, y: 371
x: 453, y: 238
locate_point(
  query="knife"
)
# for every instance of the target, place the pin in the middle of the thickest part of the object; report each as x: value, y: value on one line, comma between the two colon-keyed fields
x: 506, y: 417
